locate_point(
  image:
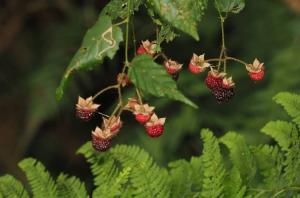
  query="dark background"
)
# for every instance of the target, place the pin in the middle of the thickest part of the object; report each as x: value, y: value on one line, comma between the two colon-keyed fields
x: 39, y: 37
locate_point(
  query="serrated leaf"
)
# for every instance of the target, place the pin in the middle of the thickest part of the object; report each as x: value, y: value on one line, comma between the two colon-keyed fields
x: 152, y: 78
x: 118, y: 8
x: 11, y: 188
x: 101, y: 41
x: 180, y: 14
x: 291, y: 104
x: 234, y: 6
x: 70, y: 187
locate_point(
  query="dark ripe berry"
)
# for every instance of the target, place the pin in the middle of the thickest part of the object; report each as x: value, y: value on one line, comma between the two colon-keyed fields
x: 222, y: 94
x: 257, y: 76
x: 155, y: 130
x: 213, y: 82
x: 84, y: 114
x: 175, y: 76
x: 100, y: 144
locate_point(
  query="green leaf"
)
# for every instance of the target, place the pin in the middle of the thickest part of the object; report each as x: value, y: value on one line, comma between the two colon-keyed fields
x: 240, y: 155
x: 41, y: 183
x: 214, y: 170
x: 152, y: 78
x: 281, y: 131
x: 180, y: 14
x: 70, y: 187
x: 101, y: 41
x: 118, y: 8
x: 234, y: 6
x: 11, y: 188
x: 291, y: 104
x: 234, y: 184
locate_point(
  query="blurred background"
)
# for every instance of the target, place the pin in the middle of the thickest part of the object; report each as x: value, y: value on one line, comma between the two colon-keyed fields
x: 39, y: 37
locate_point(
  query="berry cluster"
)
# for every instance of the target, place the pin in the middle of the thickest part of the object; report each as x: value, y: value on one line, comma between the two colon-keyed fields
x: 221, y: 86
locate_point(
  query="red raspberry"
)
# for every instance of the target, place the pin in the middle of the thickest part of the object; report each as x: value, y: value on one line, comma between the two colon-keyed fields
x: 155, y: 127
x: 155, y: 130
x: 99, y: 143
x: 141, y: 50
x: 85, y: 108
x: 142, y: 118
x: 257, y: 76
x: 195, y: 69
x: 212, y: 81
x: 172, y: 67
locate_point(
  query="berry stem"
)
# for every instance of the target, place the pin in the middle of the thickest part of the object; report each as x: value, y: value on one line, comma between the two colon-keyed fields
x: 139, y: 95
x: 133, y: 36
x: 120, y: 23
x: 226, y: 58
x: 104, y: 90
x: 127, y: 32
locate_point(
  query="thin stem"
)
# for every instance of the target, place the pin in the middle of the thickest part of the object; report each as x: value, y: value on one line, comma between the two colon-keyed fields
x: 237, y: 60
x: 104, y: 90
x: 286, y: 189
x: 103, y: 114
x: 133, y: 36
x: 127, y: 31
x: 226, y: 58
x: 139, y: 95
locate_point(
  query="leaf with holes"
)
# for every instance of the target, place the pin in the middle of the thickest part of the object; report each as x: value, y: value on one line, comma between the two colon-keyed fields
x: 180, y: 14
x: 101, y: 41
x: 153, y: 79
x: 234, y: 6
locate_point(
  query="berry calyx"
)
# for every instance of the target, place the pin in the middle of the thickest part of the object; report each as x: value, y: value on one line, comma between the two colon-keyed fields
x: 147, y: 47
x: 113, y: 124
x: 227, y: 83
x: 197, y: 64
x: 214, y: 79
x: 123, y: 79
x: 85, y: 108
x: 101, y: 139
x: 256, y: 70
x: 131, y: 103
x: 155, y: 127
x: 143, y: 113
x: 172, y: 67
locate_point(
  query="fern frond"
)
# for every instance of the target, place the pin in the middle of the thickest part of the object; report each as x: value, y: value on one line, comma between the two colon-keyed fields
x: 291, y: 104
x: 103, y: 168
x: 286, y: 134
x: 181, y: 178
x: 214, y: 171
x: 12, y: 188
x: 70, y: 187
x: 281, y: 132
x: 115, y: 188
x: 41, y: 183
x: 233, y: 186
x: 270, y: 163
x: 240, y: 155
x: 146, y: 177
x: 197, y: 173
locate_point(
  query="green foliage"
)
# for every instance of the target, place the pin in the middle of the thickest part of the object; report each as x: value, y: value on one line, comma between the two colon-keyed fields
x: 214, y: 171
x: 291, y: 103
x: 41, y: 183
x: 118, y: 8
x: 101, y: 41
x: 234, y: 6
x: 152, y: 78
x: 183, y: 15
x: 128, y: 171
x: 11, y: 188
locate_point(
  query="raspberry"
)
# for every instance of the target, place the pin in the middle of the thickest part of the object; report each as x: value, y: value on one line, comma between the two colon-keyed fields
x: 142, y: 118
x: 100, y: 144
x: 85, y: 108
x: 212, y: 81
x: 155, y: 130
x: 141, y: 50
x: 198, y: 64
x: 222, y: 94
x: 172, y: 67
x: 155, y: 126
x: 257, y: 76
